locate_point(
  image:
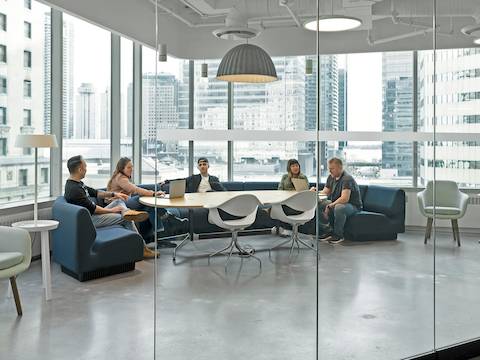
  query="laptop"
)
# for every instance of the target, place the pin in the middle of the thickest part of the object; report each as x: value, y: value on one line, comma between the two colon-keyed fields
x: 299, y: 184
x: 176, y: 189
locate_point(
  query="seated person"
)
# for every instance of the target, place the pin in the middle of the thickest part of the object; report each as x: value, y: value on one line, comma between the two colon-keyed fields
x: 344, y: 199
x: 115, y: 213
x: 293, y: 171
x: 203, y: 182
x: 120, y: 182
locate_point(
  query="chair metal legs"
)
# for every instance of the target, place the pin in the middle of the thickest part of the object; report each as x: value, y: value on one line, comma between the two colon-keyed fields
x: 234, y: 245
x: 16, y: 296
x: 295, y: 240
x: 428, y: 230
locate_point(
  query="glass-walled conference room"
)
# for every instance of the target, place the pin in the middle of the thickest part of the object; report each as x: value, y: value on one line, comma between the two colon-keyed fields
x: 397, y: 101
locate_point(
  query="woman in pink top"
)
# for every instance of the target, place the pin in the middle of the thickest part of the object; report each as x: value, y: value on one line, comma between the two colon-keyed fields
x: 121, y: 182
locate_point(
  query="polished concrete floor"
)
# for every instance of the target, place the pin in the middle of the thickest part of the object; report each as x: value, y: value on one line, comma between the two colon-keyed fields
x: 375, y: 301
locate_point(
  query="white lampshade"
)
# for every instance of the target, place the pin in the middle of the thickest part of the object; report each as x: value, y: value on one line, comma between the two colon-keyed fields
x: 36, y: 141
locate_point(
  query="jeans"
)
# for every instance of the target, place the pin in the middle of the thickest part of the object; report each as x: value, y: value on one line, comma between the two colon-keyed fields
x: 134, y: 204
x: 338, y: 216
x: 102, y: 220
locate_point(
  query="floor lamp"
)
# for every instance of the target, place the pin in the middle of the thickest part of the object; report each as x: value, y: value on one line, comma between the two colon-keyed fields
x: 36, y: 141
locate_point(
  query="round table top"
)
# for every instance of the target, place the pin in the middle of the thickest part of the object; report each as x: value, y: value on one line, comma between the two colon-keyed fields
x: 39, y: 225
x: 199, y: 200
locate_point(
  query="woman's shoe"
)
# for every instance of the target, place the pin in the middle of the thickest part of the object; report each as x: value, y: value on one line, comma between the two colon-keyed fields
x: 134, y: 215
x: 150, y: 254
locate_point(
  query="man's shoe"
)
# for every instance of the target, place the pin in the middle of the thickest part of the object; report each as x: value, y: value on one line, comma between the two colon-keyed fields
x: 325, y: 236
x: 150, y: 254
x: 134, y: 215
x: 162, y: 244
x: 175, y: 225
x: 335, y: 239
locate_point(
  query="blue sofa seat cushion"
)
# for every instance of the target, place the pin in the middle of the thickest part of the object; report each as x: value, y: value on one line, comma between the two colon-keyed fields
x: 365, y: 221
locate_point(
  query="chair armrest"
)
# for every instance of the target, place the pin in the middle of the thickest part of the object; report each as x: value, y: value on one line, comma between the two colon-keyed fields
x: 15, y: 240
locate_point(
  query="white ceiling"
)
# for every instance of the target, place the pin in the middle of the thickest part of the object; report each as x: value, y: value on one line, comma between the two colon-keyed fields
x: 186, y: 25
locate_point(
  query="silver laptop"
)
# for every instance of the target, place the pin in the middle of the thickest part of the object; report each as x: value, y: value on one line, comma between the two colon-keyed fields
x: 176, y: 189
x: 299, y: 184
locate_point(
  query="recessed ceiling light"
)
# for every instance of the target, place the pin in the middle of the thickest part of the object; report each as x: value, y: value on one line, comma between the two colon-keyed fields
x: 332, y: 23
x: 477, y: 41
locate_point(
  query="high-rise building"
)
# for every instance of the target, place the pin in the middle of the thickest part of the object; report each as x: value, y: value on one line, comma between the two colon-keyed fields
x: 160, y: 107
x: 128, y: 128
x: 456, y: 110
x: 105, y: 114
x: 342, y: 105
x: 67, y: 80
x: 85, y: 112
x: 397, y: 111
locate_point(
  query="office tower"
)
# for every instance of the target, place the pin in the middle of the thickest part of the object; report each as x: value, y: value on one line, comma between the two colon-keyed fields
x: 397, y: 111
x: 183, y: 95
x: 85, y: 112
x: 457, y: 94
x: 329, y: 105
x: 160, y: 107
x: 342, y: 105
x: 67, y: 80
x: 105, y: 114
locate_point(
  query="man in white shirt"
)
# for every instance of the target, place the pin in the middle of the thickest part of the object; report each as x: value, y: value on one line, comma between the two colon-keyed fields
x: 203, y: 182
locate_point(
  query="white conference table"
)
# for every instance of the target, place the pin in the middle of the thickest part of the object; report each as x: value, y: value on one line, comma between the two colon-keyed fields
x: 199, y: 200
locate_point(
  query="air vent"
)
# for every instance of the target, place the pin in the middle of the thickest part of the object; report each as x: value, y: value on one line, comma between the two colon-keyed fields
x: 235, y: 33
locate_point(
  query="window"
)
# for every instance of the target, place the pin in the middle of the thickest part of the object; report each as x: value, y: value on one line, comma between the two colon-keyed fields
x: 3, y: 147
x: 3, y: 85
x: 27, y: 117
x: 22, y: 177
x: 27, y: 59
x: 3, y: 22
x: 9, y: 175
x: 27, y: 88
x: 3, y: 53
x: 88, y: 90
x: 27, y: 29
x: 3, y: 115
x: 22, y: 115
x: 126, y: 93
x: 164, y: 106
x: 27, y: 4
x: 210, y: 98
x: 44, y: 175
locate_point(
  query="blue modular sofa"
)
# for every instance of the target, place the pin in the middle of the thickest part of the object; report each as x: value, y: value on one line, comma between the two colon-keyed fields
x: 382, y: 217
x: 87, y: 253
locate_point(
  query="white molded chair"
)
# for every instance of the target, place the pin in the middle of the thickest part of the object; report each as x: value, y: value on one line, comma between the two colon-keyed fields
x: 243, y: 206
x: 450, y: 203
x: 304, y: 201
x: 15, y: 256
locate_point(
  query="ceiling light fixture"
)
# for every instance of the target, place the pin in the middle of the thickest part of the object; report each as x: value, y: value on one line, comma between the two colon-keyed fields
x: 477, y: 41
x: 333, y: 23
x: 247, y: 63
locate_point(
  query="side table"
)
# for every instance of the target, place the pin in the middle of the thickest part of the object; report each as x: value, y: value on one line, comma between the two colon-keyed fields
x: 43, y: 227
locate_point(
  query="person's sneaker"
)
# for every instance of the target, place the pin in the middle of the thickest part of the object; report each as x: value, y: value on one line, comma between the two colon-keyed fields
x: 134, y: 215
x: 325, y: 236
x: 283, y: 232
x: 175, y: 224
x: 335, y: 239
x: 150, y: 254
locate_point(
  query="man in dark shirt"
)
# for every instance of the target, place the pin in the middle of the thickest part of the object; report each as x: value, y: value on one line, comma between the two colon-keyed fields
x: 203, y: 182
x: 344, y: 199
x: 116, y: 213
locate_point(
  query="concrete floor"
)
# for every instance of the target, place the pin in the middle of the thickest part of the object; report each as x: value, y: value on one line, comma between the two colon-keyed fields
x: 376, y: 301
